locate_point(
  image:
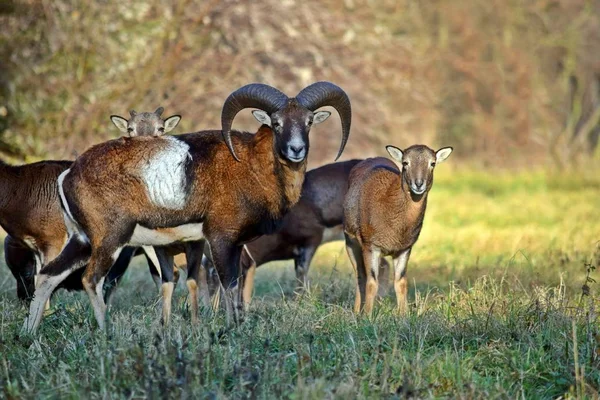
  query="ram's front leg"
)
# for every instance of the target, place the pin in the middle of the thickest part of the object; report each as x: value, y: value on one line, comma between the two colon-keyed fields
x: 226, y: 258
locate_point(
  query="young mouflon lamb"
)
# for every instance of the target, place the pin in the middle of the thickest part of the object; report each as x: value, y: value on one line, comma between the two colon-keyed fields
x: 383, y: 215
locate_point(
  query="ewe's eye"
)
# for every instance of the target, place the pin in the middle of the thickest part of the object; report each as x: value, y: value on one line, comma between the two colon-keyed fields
x: 161, y: 129
x: 405, y: 163
x: 130, y: 129
x: 433, y: 164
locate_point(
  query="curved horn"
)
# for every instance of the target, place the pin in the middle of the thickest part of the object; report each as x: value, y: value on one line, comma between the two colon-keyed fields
x: 159, y: 111
x: 321, y: 94
x: 255, y: 95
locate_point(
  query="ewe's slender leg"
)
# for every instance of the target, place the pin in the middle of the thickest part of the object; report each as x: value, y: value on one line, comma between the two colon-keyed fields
x: 116, y: 273
x: 384, y: 277
x: 248, y: 266
x: 165, y: 261
x: 196, y: 275
x: 371, y: 258
x: 249, y: 285
x: 74, y: 256
x: 356, y: 259
x: 302, y: 263
x: 102, y: 259
x: 400, y: 281
x: 226, y: 258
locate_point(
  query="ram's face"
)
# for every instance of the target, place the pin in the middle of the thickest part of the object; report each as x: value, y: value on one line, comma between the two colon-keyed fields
x: 291, y: 126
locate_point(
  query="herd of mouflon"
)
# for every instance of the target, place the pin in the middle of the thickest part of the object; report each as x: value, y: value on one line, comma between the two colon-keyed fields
x: 228, y: 201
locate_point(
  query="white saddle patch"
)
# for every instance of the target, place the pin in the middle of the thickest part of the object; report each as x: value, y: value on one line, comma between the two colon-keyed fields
x: 143, y: 236
x: 164, y: 174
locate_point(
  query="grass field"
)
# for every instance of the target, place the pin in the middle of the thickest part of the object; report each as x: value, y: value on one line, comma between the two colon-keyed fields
x: 499, y: 310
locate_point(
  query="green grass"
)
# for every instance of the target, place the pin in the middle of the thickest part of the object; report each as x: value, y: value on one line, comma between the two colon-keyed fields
x: 497, y: 311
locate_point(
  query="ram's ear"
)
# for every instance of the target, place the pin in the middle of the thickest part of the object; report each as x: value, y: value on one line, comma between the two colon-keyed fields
x: 442, y: 154
x: 119, y: 122
x: 262, y: 117
x: 320, y: 116
x: 172, y: 122
x: 395, y: 153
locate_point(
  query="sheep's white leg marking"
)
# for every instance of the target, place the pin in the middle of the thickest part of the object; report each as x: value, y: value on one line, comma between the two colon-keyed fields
x: 167, y: 296
x: 164, y: 174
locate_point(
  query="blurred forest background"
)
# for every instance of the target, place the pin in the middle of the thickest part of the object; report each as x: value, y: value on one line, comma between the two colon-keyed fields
x: 508, y: 83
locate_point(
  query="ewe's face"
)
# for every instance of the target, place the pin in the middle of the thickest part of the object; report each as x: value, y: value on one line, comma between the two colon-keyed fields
x: 146, y: 123
x: 418, y: 163
x: 291, y: 126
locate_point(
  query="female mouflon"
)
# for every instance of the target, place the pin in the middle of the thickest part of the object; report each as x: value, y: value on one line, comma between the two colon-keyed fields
x: 383, y: 215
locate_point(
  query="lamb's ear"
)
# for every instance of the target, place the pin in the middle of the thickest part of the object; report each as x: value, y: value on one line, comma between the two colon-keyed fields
x: 171, y: 122
x: 395, y: 152
x: 320, y: 116
x: 262, y: 117
x: 119, y: 122
x: 442, y: 154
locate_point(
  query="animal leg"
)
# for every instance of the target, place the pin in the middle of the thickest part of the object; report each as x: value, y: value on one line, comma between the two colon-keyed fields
x: 302, y: 263
x: 384, y: 277
x: 116, y: 273
x: 400, y: 281
x: 74, y: 256
x: 356, y: 259
x: 154, y: 265
x: 196, y: 276
x: 226, y: 258
x: 165, y: 262
x: 20, y: 259
x: 102, y: 259
x: 371, y: 263
x: 249, y: 270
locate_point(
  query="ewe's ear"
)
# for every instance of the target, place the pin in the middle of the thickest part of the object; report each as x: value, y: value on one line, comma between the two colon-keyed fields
x: 395, y: 152
x: 262, y: 117
x: 320, y: 116
x: 172, y: 122
x: 159, y: 111
x: 442, y: 154
x: 119, y: 122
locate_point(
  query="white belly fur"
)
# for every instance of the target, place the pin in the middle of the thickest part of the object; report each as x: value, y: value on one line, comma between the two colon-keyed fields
x: 143, y: 236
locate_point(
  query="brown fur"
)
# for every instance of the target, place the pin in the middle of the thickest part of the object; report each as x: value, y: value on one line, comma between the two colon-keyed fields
x: 383, y: 216
x: 31, y: 216
x: 235, y: 201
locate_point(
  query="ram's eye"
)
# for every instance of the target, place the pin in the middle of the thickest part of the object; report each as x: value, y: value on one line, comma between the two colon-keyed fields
x: 405, y: 163
x: 310, y: 121
x: 433, y: 164
x: 130, y: 129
